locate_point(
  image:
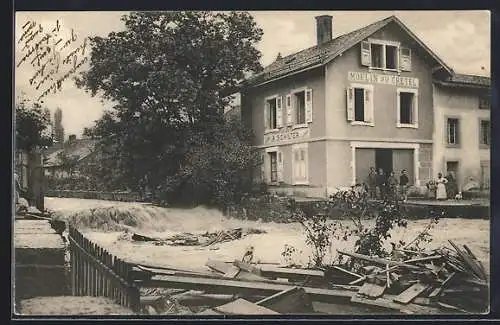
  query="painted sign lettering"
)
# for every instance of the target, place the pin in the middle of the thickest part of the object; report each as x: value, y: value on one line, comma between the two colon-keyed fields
x: 286, y: 135
x: 377, y: 78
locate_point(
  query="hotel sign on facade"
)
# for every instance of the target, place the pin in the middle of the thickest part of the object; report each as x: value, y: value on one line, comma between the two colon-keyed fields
x: 286, y: 135
x: 378, y: 78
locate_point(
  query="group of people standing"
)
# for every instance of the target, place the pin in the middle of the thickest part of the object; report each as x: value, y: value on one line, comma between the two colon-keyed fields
x: 381, y: 185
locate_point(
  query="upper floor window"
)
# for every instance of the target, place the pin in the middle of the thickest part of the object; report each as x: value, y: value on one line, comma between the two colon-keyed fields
x: 407, y: 107
x: 452, y: 130
x: 360, y: 104
x: 386, y: 55
x: 299, y: 107
x: 273, y: 113
x: 484, y: 132
x: 484, y: 102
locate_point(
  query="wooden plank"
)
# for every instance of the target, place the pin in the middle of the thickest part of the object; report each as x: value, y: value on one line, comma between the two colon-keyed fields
x: 210, y: 312
x: 379, y: 302
x: 247, y: 267
x: 224, y: 268
x: 232, y: 273
x: 290, y: 301
x: 348, y: 272
x: 469, y: 261
x: 372, y: 290
x: 411, y: 293
x: 244, y: 287
x: 243, y: 307
x: 379, y: 260
x: 202, y: 299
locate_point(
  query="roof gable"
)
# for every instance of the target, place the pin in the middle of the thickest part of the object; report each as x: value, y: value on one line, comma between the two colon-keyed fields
x: 319, y: 55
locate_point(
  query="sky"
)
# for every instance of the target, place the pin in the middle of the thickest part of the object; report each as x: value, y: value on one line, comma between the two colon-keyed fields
x: 459, y: 38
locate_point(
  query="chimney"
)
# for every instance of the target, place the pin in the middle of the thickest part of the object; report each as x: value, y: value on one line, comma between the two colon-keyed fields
x: 72, y: 138
x: 323, y: 29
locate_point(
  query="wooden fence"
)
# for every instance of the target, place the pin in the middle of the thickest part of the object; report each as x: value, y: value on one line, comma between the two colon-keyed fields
x: 95, y: 272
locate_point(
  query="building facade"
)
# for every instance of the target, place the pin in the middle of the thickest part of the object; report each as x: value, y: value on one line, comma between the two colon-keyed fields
x: 323, y: 116
x: 462, y: 132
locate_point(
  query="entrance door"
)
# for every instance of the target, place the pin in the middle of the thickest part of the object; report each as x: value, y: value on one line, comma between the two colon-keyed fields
x: 452, y: 166
x: 365, y: 158
x: 383, y: 159
x: 403, y: 159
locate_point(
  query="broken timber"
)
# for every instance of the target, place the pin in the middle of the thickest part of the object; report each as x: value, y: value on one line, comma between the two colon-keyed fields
x: 379, y: 260
x: 229, y: 286
x: 293, y: 300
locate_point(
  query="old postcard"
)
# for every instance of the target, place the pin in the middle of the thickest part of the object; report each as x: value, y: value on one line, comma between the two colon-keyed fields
x: 252, y: 163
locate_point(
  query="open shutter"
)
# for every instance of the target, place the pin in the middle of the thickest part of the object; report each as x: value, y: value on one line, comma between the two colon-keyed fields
x: 414, y: 112
x: 280, y: 166
x: 266, y: 116
x: 366, y: 54
x: 309, y: 106
x: 279, y: 112
x: 289, y: 113
x: 263, y: 167
x: 350, y: 104
x: 368, y: 105
x: 405, y: 59
x: 398, y: 105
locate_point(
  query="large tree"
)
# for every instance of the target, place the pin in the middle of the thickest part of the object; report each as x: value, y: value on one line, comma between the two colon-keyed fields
x: 32, y: 125
x: 166, y: 72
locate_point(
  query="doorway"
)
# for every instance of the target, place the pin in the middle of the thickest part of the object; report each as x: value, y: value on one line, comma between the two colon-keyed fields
x: 383, y: 159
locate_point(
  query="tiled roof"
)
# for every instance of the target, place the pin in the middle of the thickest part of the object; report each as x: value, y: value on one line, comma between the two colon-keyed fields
x: 323, y: 53
x: 467, y: 79
x: 80, y: 147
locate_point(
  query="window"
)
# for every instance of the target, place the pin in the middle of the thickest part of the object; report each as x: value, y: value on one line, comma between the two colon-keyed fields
x: 387, y: 55
x: 300, y: 162
x: 485, y: 133
x: 377, y: 55
x: 273, y: 158
x: 271, y: 103
x: 360, y: 104
x: 484, y: 102
x: 391, y: 57
x: 300, y: 107
x: 453, y: 131
x: 407, y: 107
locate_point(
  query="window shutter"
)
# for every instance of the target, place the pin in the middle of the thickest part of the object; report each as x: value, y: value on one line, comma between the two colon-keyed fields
x: 366, y: 54
x: 414, y: 111
x: 279, y: 112
x: 289, y: 113
x: 398, y: 98
x: 368, y: 105
x: 263, y: 168
x: 350, y: 104
x: 309, y: 106
x: 280, y: 166
x: 405, y: 59
x: 266, y: 116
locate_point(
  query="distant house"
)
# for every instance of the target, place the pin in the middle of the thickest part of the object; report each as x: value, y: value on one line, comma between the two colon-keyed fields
x: 75, y: 156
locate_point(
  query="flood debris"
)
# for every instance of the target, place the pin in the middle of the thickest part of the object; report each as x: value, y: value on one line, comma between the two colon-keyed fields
x: 445, y: 280
x: 206, y: 239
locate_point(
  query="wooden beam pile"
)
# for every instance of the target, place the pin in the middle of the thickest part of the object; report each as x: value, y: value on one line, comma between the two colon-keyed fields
x: 451, y: 279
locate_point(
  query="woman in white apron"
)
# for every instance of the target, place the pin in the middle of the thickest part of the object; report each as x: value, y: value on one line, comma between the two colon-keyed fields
x: 441, y: 187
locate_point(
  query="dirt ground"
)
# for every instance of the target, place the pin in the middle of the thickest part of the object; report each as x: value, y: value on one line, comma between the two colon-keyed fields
x: 69, y: 305
x: 162, y: 222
